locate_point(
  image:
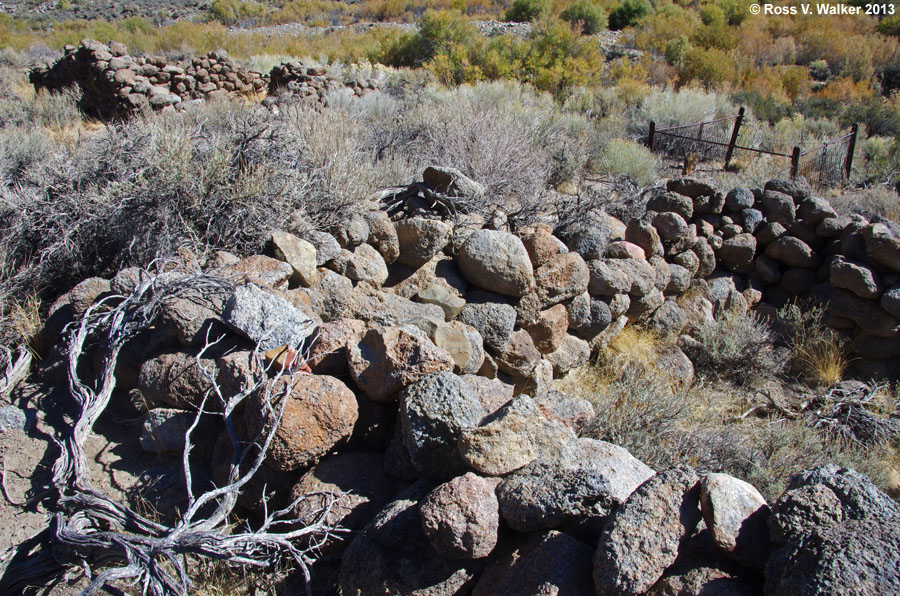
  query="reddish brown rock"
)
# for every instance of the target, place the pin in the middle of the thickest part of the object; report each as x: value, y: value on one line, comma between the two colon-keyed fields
x: 386, y: 360
x: 461, y: 517
x: 549, y: 330
x: 328, y: 353
x: 320, y: 411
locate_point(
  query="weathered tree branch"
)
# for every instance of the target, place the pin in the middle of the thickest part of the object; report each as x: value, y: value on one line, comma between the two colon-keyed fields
x: 92, y: 531
x: 15, y: 369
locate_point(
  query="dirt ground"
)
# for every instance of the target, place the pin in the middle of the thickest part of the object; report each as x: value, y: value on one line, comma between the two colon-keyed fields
x: 118, y: 466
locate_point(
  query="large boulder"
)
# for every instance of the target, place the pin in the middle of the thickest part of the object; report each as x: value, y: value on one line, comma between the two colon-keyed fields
x: 434, y: 412
x: 589, y: 316
x: 320, y: 412
x: 492, y: 317
x: 388, y: 359
x: 265, y: 318
x: 574, y: 412
x: 513, y: 437
x: 736, y: 516
x: 384, y: 308
x: 549, y: 328
x: 367, y: 264
x: 328, y: 353
x: 779, y: 207
x: 520, y: 356
x: 574, y: 493
x: 670, y: 201
x: 690, y: 187
x: 421, y: 239
x: 175, y: 379
x: 194, y: 320
x: 352, y: 487
x: 890, y: 301
x: 882, y: 246
x: 164, y: 429
x: 259, y: 270
x: 299, y: 254
x: 333, y: 295
x: 792, y: 252
x: 498, y: 262
x: 540, y: 243
x: 562, y: 277
x: 383, y: 235
x: 865, y: 313
x: 571, y: 353
x: 642, y: 537
x: 461, y: 517
x: 737, y: 253
x: 607, y: 278
x: 839, y: 535
x: 856, y: 557
x: 544, y: 564
x: 392, y: 555
x: 859, y: 278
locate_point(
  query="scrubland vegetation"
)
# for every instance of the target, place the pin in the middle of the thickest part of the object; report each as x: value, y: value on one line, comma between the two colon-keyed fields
x: 549, y: 118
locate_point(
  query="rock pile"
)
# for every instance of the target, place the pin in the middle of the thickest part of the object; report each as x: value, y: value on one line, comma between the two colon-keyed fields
x: 431, y: 344
x: 311, y: 83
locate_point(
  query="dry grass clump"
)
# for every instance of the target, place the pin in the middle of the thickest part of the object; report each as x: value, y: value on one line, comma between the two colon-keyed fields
x: 663, y: 425
x: 819, y: 354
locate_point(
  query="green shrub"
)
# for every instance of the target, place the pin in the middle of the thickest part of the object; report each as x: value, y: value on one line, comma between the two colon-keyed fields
x: 676, y: 49
x: 765, y: 107
x: 628, y: 13
x: 889, y: 26
x: 711, y: 67
x: 523, y: 11
x: 230, y: 12
x: 711, y: 14
x: 736, y: 346
x: 875, y: 113
x: 591, y: 16
x: 625, y: 157
x: 438, y: 33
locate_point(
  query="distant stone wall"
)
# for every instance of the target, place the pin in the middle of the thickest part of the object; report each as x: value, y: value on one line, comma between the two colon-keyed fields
x: 116, y: 85
x: 312, y: 82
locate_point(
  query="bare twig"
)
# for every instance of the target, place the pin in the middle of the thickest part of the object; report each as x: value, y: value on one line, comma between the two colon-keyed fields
x: 3, y: 486
x: 92, y: 531
x: 15, y: 369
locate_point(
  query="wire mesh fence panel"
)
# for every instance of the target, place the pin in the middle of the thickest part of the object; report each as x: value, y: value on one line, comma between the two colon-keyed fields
x: 829, y: 163
x: 720, y: 140
x: 703, y: 141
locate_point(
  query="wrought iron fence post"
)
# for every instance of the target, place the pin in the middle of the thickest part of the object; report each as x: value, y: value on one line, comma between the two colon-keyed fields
x: 651, y: 135
x: 850, y: 148
x: 734, y: 136
x: 795, y: 162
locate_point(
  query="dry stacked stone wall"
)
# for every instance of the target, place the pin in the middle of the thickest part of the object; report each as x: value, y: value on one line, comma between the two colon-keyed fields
x: 114, y: 84
x: 313, y: 82
x: 428, y: 346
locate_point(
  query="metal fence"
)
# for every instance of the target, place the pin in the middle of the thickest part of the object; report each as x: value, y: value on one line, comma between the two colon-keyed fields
x: 717, y: 140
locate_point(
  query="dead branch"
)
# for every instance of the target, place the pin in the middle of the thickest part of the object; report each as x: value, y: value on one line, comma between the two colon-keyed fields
x: 846, y: 414
x: 91, y: 531
x: 15, y: 369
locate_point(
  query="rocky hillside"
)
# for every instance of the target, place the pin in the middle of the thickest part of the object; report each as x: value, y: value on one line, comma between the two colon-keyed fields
x: 400, y: 367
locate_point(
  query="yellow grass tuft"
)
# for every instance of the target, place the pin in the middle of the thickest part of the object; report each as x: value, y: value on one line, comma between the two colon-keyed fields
x: 26, y: 321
